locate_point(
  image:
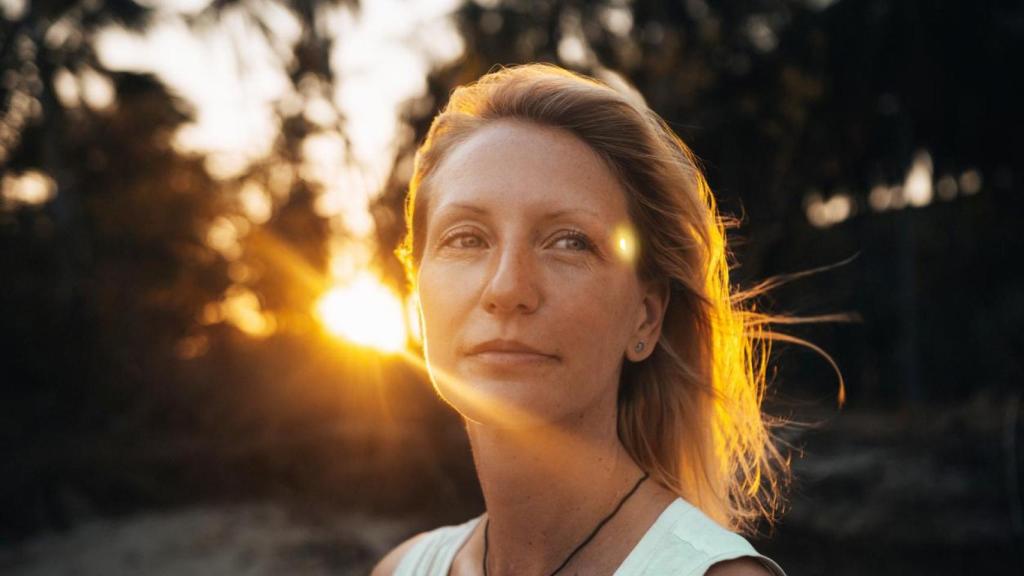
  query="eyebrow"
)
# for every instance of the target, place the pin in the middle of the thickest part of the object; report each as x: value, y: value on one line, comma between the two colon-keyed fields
x: 549, y: 216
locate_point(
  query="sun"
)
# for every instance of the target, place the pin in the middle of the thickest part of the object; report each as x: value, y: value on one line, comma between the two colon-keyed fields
x: 364, y: 312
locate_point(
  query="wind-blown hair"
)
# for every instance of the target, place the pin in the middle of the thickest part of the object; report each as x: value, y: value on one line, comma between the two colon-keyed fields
x: 690, y: 414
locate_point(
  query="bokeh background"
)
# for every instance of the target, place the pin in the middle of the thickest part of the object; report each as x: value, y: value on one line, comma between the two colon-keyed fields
x: 201, y: 309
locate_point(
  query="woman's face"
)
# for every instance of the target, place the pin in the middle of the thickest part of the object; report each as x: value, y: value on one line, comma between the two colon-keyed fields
x: 527, y: 243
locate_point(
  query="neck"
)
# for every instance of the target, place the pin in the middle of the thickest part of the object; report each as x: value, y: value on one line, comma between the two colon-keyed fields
x: 546, y: 488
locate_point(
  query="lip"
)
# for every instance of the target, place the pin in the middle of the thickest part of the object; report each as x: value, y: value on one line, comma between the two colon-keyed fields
x: 512, y: 359
x: 511, y: 349
x: 509, y: 354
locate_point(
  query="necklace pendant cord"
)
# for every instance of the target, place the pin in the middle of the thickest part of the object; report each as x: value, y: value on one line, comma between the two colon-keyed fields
x: 487, y: 525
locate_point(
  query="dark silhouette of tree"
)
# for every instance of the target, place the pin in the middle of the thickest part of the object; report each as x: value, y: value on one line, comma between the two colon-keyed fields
x: 116, y: 277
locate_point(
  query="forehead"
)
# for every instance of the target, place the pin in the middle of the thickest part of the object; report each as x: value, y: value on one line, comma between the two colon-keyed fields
x: 513, y: 166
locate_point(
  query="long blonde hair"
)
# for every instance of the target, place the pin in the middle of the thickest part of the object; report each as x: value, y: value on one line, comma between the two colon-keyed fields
x: 690, y: 414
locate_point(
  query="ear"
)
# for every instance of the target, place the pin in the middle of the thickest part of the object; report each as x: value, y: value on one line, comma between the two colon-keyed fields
x: 650, y: 315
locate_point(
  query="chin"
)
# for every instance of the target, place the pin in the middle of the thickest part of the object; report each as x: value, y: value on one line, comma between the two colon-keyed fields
x: 508, y: 401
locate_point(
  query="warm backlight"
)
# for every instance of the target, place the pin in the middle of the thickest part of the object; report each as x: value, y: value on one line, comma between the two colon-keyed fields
x: 364, y: 312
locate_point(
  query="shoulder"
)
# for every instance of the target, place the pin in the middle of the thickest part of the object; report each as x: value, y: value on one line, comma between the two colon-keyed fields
x: 689, y: 542
x: 696, y: 529
x: 388, y: 564
x: 738, y: 567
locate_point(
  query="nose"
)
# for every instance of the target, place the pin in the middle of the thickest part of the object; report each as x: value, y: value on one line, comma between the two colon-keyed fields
x: 512, y: 285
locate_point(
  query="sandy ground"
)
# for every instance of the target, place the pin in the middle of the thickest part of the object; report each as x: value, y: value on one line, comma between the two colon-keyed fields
x: 240, y: 540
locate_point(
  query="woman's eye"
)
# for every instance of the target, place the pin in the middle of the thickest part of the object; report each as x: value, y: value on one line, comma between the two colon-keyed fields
x: 576, y: 241
x: 463, y: 240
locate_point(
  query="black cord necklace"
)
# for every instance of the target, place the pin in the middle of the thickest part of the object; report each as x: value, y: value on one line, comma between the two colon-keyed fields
x: 586, y: 541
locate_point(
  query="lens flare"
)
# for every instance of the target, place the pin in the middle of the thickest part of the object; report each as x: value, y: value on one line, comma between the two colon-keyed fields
x: 625, y: 243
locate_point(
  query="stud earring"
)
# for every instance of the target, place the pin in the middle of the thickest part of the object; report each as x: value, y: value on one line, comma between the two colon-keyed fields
x: 639, y: 347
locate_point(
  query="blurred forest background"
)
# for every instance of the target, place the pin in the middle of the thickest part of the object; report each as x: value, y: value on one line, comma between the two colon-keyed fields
x: 182, y: 182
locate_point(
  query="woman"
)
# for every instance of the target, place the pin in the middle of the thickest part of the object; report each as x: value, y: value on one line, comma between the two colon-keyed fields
x: 572, y: 276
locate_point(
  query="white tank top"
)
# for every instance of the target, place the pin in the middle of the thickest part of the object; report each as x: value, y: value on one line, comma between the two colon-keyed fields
x: 683, y: 541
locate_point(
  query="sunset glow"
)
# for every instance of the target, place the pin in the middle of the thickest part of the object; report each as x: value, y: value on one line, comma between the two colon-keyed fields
x: 364, y: 312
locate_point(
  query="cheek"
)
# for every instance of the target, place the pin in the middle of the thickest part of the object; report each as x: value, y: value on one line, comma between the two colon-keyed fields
x: 597, y: 317
x: 432, y: 302
x: 442, y: 301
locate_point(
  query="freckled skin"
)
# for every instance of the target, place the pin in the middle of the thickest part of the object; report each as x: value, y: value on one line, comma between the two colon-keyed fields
x: 507, y: 271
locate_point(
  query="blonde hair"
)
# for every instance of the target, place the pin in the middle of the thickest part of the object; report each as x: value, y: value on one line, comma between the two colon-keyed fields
x: 690, y: 414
